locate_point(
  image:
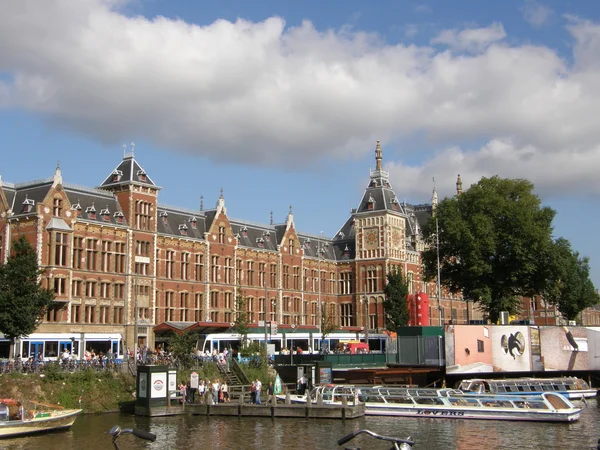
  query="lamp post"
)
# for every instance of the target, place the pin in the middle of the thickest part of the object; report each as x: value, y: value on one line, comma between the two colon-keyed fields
x: 267, y: 312
x: 366, y: 300
x: 320, y: 312
x: 439, y: 286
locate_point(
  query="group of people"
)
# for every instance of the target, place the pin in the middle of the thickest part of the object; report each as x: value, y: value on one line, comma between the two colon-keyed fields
x: 216, y: 391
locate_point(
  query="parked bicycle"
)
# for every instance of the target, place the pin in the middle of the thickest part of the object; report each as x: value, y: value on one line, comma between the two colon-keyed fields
x: 117, y: 431
x: 398, y: 443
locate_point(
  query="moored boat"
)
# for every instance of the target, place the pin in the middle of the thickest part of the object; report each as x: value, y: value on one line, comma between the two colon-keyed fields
x: 449, y: 403
x: 570, y: 387
x: 17, y: 420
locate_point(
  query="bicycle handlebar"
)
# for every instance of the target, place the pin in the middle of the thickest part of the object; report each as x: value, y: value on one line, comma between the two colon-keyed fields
x: 352, y: 435
x: 116, y: 431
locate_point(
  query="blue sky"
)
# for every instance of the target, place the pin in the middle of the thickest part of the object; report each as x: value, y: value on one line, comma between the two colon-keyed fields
x: 280, y: 103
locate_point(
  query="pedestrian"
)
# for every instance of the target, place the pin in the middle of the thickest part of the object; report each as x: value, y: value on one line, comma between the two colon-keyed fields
x: 225, y: 391
x: 216, y: 387
x: 270, y: 392
x: 257, y: 389
x: 302, y: 382
x: 253, y: 392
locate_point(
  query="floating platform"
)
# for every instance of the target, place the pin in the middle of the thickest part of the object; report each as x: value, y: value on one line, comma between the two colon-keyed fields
x: 249, y: 410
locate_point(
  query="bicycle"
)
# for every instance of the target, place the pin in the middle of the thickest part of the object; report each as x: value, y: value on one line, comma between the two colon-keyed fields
x: 398, y: 443
x: 117, y: 431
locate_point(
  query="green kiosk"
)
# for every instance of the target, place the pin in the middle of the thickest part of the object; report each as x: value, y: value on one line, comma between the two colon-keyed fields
x: 154, y: 385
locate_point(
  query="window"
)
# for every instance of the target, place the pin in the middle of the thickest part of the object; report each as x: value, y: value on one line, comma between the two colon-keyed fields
x: 169, y: 306
x: 60, y: 249
x: 186, y: 313
x: 57, y: 207
x: 90, y: 289
x: 214, y: 300
x: 250, y: 273
x: 185, y: 266
x: 142, y: 215
x: 75, y: 313
x: 91, y: 253
x: 104, y: 289
x: 291, y: 246
x: 198, y: 302
x: 120, y: 257
x: 53, y: 313
x: 78, y: 253
x: 262, y: 275
x: 480, y: 346
x: 118, y: 314
x: 371, y: 279
x: 169, y: 264
x: 286, y: 277
x: 199, y: 268
x: 238, y: 271
x: 214, y: 270
x: 106, y: 256
x: 297, y: 278
x: 103, y: 314
x: 60, y: 286
x: 228, y: 300
x: 77, y: 288
x: 345, y: 283
x: 221, y: 235
x: 90, y: 314
x: 273, y: 275
x: 228, y: 270
x: 346, y: 313
x: 119, y: 289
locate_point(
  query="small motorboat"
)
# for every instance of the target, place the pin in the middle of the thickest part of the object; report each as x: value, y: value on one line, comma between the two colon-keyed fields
x: 16, y: 419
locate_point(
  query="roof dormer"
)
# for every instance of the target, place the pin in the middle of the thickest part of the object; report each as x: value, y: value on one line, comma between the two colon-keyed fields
x: 261, y: 242
x: 164, y: 216
x: 141, y: 174
x: 91, y: 212
x: 28, y: 205
x: 193, y: 221
x: 116, y: 175
x: 371, y: 203
x: 105, y: 213
x: 183, y: 229
x: 119, y: 217
x: 245, y: 231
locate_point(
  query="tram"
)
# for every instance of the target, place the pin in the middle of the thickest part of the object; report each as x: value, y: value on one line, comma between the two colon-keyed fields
x: 52, y: 345
x: 304, y: 340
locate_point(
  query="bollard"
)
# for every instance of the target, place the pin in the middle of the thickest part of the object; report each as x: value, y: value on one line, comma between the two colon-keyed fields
x: 344, y: 402
x: 288, y: 399
x: 320, y: 399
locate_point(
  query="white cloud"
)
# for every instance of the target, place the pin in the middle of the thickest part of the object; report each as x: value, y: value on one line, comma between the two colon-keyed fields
x: 536, y: 13
x: 471, y: 39
x: 261, y: 93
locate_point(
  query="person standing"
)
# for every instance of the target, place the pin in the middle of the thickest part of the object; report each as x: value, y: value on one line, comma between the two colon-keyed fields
x: 257, y: 390
x: 302, y: 382
x: 253, y: 392
x: 270, y: 392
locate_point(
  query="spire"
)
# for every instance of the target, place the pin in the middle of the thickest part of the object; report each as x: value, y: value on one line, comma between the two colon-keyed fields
x: 434, y: 197
x: 271, y: 218
x: 221, y: 201
x: 57, y: 179
x: 201, y: 202
x: 289, y: 223
x: 378, y: 156
x: 458, y: 185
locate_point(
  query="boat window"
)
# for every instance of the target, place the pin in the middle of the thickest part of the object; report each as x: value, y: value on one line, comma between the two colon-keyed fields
x: 538, y: 405
x: 399, y: 399
x: 556, y: 387
x: 429, y: 401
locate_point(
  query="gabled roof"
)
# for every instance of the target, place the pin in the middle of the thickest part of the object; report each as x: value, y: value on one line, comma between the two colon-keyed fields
x: 127, y: 172
x: 181, y: 222
x: 90, y: 203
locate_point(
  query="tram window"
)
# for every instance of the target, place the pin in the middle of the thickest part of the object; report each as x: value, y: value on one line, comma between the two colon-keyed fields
x: 556, y: 387
x: 521, y: 388
x: 51, y: 349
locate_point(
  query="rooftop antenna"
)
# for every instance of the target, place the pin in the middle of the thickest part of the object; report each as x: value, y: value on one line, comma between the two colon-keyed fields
x: 124, y: 150
x: 132, y: 148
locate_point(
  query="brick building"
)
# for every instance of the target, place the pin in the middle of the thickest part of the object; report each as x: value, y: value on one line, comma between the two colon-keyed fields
x: 113, y: 250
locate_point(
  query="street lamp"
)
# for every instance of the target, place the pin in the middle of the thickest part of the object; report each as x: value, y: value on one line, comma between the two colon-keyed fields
x: 366, y: 321
x: 439, y: 286
x: 320, y: 312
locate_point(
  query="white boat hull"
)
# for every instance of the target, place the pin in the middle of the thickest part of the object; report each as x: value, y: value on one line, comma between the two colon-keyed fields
x: 56, y: 420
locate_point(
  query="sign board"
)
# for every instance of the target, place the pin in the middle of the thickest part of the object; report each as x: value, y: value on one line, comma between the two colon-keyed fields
x: 273, y: 327
x: 194, y: 380
x: 173, y: 383
x: 325, y: 375
x: 159, y: 385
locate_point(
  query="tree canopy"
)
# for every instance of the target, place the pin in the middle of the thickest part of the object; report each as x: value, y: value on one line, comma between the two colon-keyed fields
x: 570, y: 288
x: 396, y: 301
x: 494, y: 242
x: 23, y: 301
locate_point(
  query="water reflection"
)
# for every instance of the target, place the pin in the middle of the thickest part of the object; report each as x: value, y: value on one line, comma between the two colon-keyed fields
x: 90, y: 432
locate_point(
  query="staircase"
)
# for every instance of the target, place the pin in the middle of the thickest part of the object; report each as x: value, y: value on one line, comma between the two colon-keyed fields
x: 233, y: 373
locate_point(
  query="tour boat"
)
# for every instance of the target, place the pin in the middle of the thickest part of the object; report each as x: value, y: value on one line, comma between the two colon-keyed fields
x: 447, y: 403
x: 570, y: 387
x: 17, y: 420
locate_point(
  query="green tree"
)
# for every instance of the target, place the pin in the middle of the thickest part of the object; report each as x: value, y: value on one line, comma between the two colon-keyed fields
x: 395, y: 303
x: 23, y: 301
x: 494, y: 240
x: 327, y: 322
x: 241, y: 325
x: 570, y: 287
x: 182, y: 347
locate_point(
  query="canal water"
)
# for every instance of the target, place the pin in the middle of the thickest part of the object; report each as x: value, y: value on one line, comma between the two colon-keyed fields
x: 90, y: 432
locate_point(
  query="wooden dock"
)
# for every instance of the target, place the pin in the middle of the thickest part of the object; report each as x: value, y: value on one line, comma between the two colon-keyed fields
x: 298, y: 411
